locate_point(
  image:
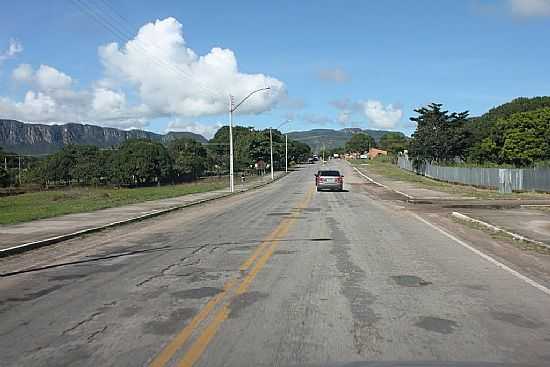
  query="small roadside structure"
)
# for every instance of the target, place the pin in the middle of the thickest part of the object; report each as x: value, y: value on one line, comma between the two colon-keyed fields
x: 260, y: 167
x: 374, y: 153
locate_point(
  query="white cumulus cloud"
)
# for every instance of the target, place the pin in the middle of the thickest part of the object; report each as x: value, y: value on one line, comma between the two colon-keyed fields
x: 529, y: 8
x: 23, y: 73
x: 381, y: 116
x: 172, y: 79
x: 14, y: 47
x: 206, y: 130
x: 49, y: 78
x: 163, y: 76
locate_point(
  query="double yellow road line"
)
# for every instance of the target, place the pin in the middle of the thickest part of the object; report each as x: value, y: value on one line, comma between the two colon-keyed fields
x: 221, y: 303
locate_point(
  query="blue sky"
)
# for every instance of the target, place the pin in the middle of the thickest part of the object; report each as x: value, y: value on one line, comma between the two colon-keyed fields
x: 333, y: 64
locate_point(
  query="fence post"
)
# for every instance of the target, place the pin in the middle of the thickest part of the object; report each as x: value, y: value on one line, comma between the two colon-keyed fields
x: 505, y: 180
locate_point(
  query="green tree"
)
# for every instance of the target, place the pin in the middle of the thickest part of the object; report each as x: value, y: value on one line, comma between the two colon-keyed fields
x: 440, y: 136
x: 393, y: 142
x: 484, y: 129
x: 74, y: 163
x: 189, y: 158
x: 58, y: 167
x: 142, y: 162
x: 87, y: 167
x: 298, y: 151
x: 526, y: 137
x: 218, y: 148
x: 485, y: 151
x: 360, y: 143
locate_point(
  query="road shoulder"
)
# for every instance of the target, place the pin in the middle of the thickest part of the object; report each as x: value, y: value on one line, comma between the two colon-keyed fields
x: 26, y: 236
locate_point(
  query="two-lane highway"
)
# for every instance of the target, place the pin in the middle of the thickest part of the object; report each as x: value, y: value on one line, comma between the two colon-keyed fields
x: 279, y: 276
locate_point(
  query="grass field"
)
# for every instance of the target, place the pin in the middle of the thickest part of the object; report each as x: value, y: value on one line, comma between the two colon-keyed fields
x: 46, y: 204
x: 393, y: 172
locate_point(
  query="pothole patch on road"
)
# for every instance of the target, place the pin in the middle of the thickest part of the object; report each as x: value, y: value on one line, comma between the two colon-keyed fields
x: 129, y: 311
x: 284, y: 252
x: 197, y: 293
x: 244, y: 300
x: 279, y: 213
x: 515, y: 319
x: 435, y: 324
x: 410, y: 281
x: 170, y: 324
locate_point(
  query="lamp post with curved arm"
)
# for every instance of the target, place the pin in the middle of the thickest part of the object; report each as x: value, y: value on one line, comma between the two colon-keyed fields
x: 271, y: 148
x: 232, y: 108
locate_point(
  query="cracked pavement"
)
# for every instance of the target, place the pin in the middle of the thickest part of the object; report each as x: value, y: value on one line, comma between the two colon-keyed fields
x: 354, y: 277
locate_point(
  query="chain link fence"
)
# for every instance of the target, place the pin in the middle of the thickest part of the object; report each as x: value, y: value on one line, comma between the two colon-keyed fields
x: 502, y: 179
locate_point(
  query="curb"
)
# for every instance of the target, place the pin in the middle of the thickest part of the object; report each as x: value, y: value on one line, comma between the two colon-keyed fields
x: 409, y: 197
x: 64, y: 237
x: 494, y: 228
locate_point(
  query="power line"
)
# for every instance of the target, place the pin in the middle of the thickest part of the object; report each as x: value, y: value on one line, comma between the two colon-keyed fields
x: 113, y: 26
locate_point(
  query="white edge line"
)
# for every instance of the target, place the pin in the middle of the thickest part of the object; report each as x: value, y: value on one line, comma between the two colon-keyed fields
x: 500, y: 265
x: 384, y: 186
x: 497, y: 229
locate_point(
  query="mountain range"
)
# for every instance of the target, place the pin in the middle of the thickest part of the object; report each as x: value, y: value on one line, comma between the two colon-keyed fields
x: 328, y: 138
x: 37, y: 139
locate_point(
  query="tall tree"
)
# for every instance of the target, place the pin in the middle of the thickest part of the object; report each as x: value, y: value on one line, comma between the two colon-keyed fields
x: 298, y: 151
x: 393, y: 142
x: 440, y: 136
x: 360, y: 143
x: 526, y: 137
x: 189, y: 158
x: 142, y: 162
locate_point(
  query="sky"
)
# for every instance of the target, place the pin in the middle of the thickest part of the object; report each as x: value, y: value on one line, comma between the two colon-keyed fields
x: 171, y: 65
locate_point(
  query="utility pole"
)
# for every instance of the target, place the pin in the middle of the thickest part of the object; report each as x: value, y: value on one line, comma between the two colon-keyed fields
x: 232, y: 108
x: 231, y: 182
x: 6, y: 163
x: 286, y: 153
x: 271, y: 146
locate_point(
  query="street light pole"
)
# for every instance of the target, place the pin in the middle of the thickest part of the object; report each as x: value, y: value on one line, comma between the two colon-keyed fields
x: 233, y: 108
x: 271, y: 146
x: 231, y: 177
x: 286, y: 153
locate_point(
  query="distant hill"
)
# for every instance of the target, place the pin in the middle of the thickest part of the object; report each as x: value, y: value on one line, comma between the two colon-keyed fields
x: 330, y: 138
x: 23, y: 138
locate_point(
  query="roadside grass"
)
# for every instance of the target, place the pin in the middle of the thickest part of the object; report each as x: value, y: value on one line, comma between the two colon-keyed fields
x: 501, y: 236
x: 393, y: 172
x: 47, y: 204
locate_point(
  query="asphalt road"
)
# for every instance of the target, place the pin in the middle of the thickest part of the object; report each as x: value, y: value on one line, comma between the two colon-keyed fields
x: 279, y: 276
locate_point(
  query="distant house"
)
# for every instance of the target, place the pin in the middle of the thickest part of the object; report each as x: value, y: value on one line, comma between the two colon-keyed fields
x: 374, y: 153
x: 353, y: 155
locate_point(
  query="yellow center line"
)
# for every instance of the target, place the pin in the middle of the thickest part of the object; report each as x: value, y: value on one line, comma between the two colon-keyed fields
x: 179, y: 340
x: 195, y: 351
x: 163, y: 357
